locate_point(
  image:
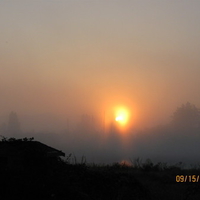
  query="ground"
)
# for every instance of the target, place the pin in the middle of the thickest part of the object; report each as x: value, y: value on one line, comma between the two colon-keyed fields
x: 95, y: 182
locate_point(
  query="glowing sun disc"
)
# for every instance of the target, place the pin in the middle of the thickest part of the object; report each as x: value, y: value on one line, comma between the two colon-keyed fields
x: 122, y: 116
x: 119, y: 118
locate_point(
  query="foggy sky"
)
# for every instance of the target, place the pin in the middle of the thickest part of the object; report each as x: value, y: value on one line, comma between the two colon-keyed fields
x: 68, y: 58
x: 85, y: 56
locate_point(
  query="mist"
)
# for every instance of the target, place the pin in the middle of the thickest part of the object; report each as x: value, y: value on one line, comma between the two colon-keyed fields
x: 65, y: 66
x: 90, y: 137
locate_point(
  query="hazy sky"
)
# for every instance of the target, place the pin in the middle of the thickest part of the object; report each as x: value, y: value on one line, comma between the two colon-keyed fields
x: 77, y: 57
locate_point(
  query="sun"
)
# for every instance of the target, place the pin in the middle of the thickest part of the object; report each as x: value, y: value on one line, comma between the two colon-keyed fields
x: 122, y: 115
x: 119, y: 118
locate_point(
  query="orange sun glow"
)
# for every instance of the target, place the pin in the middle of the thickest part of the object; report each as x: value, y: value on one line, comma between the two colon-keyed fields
x: 122, y: 116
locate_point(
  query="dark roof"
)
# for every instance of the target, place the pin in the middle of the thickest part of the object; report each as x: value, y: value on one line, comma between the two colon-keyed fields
x: 29, y: 147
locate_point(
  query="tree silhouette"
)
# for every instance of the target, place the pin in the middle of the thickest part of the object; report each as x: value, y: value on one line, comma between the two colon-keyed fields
x: 187, y: 116
x: 13, y: 124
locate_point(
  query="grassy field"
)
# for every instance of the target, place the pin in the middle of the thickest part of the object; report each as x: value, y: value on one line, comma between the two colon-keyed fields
x: 95, y: 182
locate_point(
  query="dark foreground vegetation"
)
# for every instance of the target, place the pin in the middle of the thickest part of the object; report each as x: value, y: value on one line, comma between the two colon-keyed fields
x: 63, y: 180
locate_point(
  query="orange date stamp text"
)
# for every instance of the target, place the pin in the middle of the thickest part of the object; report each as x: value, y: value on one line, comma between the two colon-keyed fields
x: 187, y: 178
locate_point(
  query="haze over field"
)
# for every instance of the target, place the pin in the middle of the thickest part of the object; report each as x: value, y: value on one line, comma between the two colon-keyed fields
x: 66, y: 66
